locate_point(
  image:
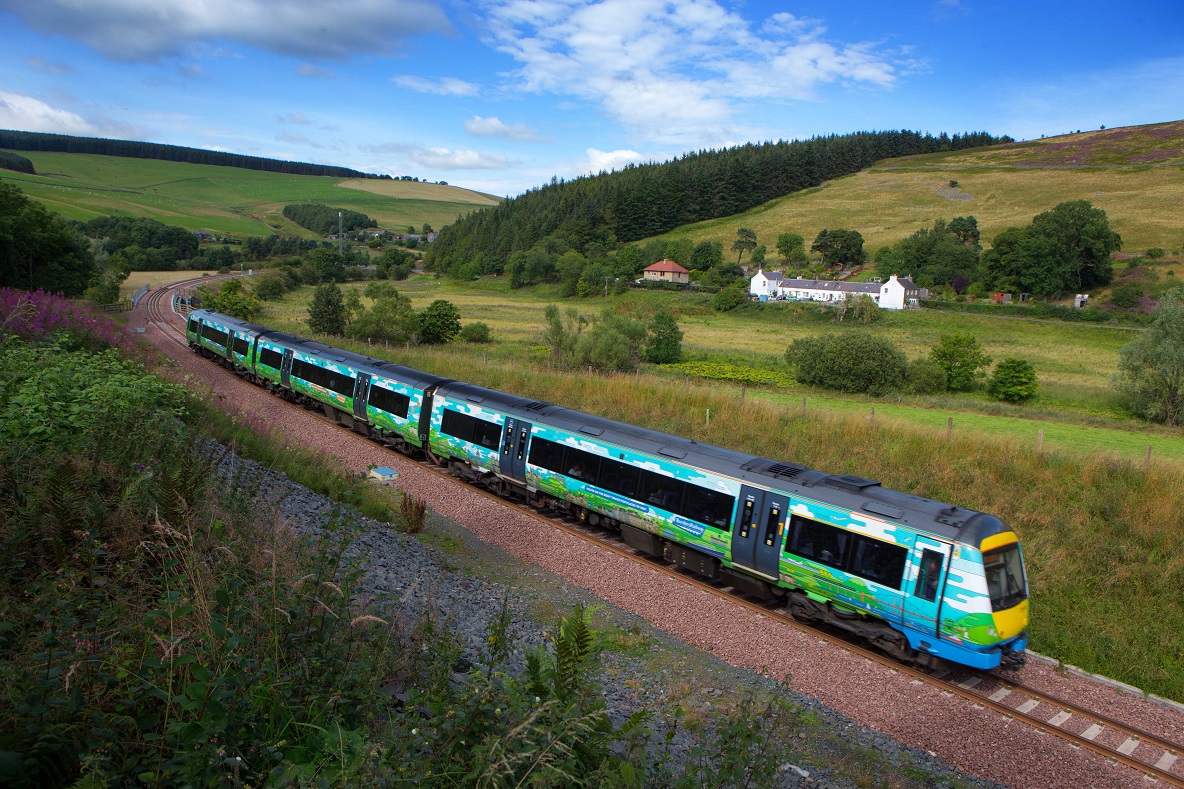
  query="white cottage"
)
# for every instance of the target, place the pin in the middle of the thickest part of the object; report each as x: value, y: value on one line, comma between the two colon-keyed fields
x: 765, y: 284
x: 895, y: 294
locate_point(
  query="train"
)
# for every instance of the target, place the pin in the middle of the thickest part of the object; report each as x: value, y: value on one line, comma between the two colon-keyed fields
x: 922, y: 580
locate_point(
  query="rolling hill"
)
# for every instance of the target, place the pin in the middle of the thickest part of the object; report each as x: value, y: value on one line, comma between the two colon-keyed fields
x: 227, y: 199
x: 1135, y: 174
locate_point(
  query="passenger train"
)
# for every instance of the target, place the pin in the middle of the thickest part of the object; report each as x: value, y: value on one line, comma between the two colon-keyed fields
x: 920, y: 579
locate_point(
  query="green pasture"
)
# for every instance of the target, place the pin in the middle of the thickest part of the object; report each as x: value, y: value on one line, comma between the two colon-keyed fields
x: 227, y: 199
x: 1077, y: 409
x: 1002, y: 187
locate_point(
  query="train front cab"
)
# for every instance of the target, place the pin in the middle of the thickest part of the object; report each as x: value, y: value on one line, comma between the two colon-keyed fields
x: 1007, y: 585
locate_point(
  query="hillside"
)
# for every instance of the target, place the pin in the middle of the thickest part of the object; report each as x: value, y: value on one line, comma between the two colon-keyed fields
x: 227, y: 199
x: 1135, y: 174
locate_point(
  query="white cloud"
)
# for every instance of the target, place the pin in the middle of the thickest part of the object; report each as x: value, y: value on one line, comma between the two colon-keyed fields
x: 296, y: 138
x: 607, y: 161
x: 441, y: 86
x: 149, y: 29
x: 29, y: 114
x: 445, y: 159
x: 676, y: 70
x: 295, y: 118
x: 494, y: 127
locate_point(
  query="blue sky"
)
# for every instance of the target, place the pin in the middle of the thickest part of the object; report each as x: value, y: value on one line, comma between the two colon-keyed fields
x: 500, y: 96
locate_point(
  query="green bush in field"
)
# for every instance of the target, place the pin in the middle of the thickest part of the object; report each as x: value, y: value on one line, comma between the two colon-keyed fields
x: 1151, y: 369
x: 475, y: 332
x: 270, y: 288
x: 1127, y: 295
x: 925, y: 376
x: 848, y: 363
x: 729, y: 298
x: 439, y: 322
x: 963, y: 360
x: 664, y: 341
x: 1014, y: 380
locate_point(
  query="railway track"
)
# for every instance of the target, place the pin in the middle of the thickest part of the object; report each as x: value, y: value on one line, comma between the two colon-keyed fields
x: 1156, y: 757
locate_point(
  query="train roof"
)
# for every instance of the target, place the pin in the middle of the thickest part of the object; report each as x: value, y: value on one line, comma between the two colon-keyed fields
x: 845, y: 491
x: 229, y: 320
x: 366, y: 364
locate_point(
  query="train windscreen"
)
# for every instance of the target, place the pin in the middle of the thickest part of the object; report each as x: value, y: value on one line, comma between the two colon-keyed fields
x: 1004, y: 569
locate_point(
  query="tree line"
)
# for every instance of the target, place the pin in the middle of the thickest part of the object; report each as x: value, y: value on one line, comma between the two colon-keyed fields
x: 16, y: 163
x: 62, y: 143
x: 644, y: 200
x: 323, y: 219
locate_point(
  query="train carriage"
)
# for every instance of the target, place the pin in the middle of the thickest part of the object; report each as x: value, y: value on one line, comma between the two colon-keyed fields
x: 917, y: 577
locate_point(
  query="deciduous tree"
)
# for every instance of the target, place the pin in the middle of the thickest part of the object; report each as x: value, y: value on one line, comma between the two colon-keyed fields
x: 1151, y: 369
x: 961, y: 357
x: 1014, y: 380
x: 439, y: 323
x: 664, y: 342
x: 745, y: 241
x: 792, y: 247
x: 326, y: 314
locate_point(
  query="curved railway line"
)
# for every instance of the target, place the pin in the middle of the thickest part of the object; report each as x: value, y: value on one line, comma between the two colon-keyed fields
x: 1156, y: 758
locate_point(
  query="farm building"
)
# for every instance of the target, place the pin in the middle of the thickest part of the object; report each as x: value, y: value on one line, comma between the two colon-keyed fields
x: 895, y: 294
x: 667, y: 271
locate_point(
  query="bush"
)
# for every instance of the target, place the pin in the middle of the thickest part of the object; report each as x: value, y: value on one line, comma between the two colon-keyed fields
x: 848, y: 363
x: 475, y: 332
x: 1014, y: 380
x: 270, y: 288
x: 439, y: 323
x: 1151, y: 369
x: 1127, y: 296
x: 729, y: 298
x: 963, y: 360
x: 925, y: 376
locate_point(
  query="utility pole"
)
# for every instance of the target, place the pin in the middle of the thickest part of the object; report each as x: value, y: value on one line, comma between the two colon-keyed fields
x: 340, y: 234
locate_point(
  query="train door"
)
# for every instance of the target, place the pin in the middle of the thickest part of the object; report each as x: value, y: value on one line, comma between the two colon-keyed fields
x: 425, y: 416
x: 923, y: 600
x: 514, y: 440
x: 361, y: 395
x: 757, y: 534
x: 286, y: 369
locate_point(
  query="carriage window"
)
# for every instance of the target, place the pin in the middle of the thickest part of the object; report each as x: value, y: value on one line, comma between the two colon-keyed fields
x: 214, y: 335
x: 394, y: 403
x: 818, y: 542
x: 708, y: 506
x: 241, y: 346
x: 619, y: 477
x: 467, y: 428
x: 546, y: 454
x: 192, y: 327
x: 581, y: 465
x: 270, y: 358
x: 877, y: 561
x: 661, y: 491
x: 324, y: 377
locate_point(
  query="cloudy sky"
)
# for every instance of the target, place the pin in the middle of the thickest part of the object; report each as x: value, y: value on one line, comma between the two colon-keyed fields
x: 501, y: 95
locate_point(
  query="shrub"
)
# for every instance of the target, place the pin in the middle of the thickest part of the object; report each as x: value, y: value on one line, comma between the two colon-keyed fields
x: 1151, y: 369
x: 729, y: 298
x: 1014, y: 380
x: 664, y: 341
x: 270, y: 288
x: 475, y: 332
x: 440, y: 322
x: 1127, y: 296
x: 326, y: 314
x: 961, y: 357
x: 848, y: 363
x: 925, y: 376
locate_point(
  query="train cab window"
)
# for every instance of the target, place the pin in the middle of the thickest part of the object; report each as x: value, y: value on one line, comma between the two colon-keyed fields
x: 661, y: 491
x: 1004, y: 569
x: 270, y: 358
x: 928, y: 575
x: 877, y: 561
x: 394, y: 403
x: 818, y: 542
x: 709, y: 507
x: 619, y: 477
x: 546, y: 454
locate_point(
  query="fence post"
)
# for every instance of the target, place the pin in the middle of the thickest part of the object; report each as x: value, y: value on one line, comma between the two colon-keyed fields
x: 950, y: 430
x: 803, y: 408
x: 709, y: 417
x: 1040, y: 439
x: 872, y: 418
x: 1147, y: 460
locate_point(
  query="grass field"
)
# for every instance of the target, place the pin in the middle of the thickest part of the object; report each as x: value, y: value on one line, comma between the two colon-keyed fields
x: 1135, y: 174
x: 1077, y: 409
x: 227, y: 199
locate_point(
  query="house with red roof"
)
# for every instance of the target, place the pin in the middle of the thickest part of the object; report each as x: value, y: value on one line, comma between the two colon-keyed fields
x: 667, y: 271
